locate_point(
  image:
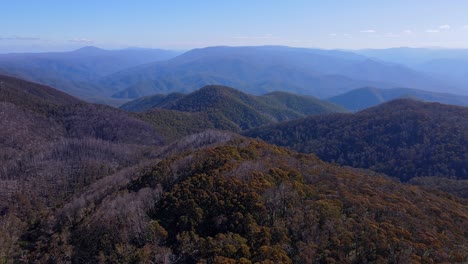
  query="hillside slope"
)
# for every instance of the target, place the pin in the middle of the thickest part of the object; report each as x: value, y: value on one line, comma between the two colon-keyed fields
x: 219, y: 198
x: 21, y: 92
x: 402, y: 138
x: 45, y: 133
x: 53, y: 145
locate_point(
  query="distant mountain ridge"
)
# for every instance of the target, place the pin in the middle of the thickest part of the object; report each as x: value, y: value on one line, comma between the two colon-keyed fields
x: 366, y: 97
x: 260, y: 70
x: 115, y: 76
x: 77, y: 71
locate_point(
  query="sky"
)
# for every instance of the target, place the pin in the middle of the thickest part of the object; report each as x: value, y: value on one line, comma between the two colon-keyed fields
x: 58, y: 25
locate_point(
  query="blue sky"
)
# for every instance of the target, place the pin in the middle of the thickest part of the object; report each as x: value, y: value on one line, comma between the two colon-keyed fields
x: 42, y: 25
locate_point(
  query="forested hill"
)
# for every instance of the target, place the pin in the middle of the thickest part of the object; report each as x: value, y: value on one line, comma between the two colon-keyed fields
x: 220, y: 96
x: 219, y: 198
x: 55, y: 142
x: 402, y: 138
x: 229, y: 109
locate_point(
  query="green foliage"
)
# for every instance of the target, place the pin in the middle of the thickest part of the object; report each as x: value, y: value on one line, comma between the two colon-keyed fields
x: 176, y: 115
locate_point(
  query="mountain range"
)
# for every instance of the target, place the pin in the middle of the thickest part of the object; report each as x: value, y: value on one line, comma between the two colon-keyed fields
x: 113, y: 77
x: 77, y: 72
x: 259, y: 70
x: 447, y: 64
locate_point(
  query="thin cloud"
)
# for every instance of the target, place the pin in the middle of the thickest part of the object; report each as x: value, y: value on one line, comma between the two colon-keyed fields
x: 432, y: 31
x: 81, y: 40
x: 368, y: 31
x: 407, y: 31
x: 25, y: 38
x: 332, y: 34
x: 444, y: 27
x: 22, y: 38
x: 465, y: 27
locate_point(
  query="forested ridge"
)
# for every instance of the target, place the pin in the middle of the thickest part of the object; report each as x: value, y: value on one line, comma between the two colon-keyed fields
x: 402, y: 138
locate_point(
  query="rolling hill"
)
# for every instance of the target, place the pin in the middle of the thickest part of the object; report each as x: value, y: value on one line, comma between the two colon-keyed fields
x: 402, y: 138
x: 366, y: 97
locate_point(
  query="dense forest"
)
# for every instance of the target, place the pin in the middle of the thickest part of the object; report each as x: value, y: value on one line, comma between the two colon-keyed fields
x: 85, y: 183
x: 402, y: 138
x: 234, y: 200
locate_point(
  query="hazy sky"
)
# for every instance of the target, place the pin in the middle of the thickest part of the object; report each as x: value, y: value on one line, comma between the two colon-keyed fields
x: 38, y: 25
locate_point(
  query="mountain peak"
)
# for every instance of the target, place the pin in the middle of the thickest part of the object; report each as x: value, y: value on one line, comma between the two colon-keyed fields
x: 89, y: 50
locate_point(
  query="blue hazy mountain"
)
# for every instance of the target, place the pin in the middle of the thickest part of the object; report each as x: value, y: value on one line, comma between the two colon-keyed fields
x: 413, y: 56
x: 453, y: 69
x: 450, y: 65
x: 97, y: 75
x: 260, y: 70
x: 75, y: 72
x: 366, y: 97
